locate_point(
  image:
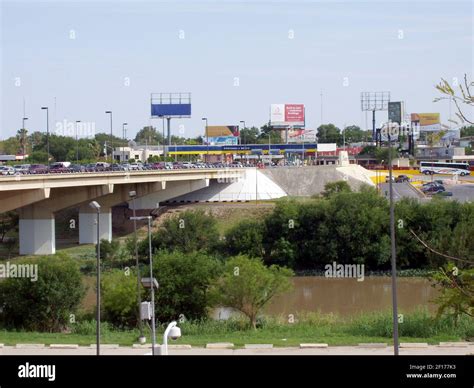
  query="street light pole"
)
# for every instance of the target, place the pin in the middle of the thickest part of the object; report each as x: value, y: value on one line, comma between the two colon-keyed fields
x: 153, y: 329
x: 240, y: 135
x: 123, y: 135
x: 96, y: 206
x: 24, y: 136
x: 47, y: 130
x: 111, y: 137
x: 133, y: 194
x: 77, y: 144
x: 393, y: 251
x: 207, y: 140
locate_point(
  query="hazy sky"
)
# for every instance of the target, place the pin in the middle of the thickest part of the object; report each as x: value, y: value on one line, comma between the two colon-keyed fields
x: 236, y: 58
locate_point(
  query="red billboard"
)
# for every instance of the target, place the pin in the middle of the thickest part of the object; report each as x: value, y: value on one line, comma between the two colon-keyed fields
x: 287, y: 115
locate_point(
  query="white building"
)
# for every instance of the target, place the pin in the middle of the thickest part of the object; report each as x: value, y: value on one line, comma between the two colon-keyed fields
x: 141, y: 153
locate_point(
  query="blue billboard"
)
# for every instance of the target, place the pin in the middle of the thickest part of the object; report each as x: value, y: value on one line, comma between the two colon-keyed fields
x: 171, y: 105
x: 170, y: 110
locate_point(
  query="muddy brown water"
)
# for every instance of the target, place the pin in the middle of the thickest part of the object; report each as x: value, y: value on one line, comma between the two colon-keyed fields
x: 347, y: 297
x: 344, y: 297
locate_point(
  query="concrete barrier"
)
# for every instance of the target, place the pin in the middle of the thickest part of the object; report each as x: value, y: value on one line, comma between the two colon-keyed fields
x: 413, y: 345
x: 29, y: 346
x: 220, y: 345
x: 64, y: 346
x: 373, y: 345
x: 313, y: 346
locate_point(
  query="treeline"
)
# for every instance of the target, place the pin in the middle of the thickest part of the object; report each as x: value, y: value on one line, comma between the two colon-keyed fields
x: 346, y: 227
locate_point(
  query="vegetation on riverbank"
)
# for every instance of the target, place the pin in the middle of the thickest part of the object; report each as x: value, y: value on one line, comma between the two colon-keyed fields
x: 418, y: 326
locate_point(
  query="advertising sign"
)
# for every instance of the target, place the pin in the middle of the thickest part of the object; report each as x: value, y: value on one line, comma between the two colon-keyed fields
x: 222, y: 130
x: 395, y: 112
x: 223, y: 140
x: 302, y: 136
x: 287, y: 115
x: 171, y: 105
x: 426, y: 121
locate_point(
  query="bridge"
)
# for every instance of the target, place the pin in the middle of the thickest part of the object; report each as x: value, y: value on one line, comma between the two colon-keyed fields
x: 38, y: 197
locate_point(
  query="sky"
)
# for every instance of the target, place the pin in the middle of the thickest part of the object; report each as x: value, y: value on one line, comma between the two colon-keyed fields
x: 235, y: 57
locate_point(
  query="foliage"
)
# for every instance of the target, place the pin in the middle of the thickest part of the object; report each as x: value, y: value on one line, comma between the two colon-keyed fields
x: 184, y: 279
x: 189, y: 231
x: 332, y: 188
x: 456, y: 291
x: 44, y: 304
x: 247, y: 285
x: 464, y: 97
x: 119, y: 297
x: 329, y: 133
x: 245, y: 237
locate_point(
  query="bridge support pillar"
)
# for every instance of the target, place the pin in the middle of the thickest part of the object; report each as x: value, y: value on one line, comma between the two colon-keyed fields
x: 37, y: 236
x: 88, y: 225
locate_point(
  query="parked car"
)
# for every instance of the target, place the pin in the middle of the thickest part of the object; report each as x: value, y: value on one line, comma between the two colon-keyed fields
x: 402, y: 178
x: 22, y: 168
x: 102, y: 166
x: 387, y: 179
x: 77, y: 168
x: 433, y: 189
x: 38, y: 169
x: 58, y: 168
x: 7, y: 170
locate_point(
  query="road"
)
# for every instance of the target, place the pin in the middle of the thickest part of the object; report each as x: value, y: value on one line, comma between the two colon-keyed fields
x: 400, y: 190
x: 467, y: 348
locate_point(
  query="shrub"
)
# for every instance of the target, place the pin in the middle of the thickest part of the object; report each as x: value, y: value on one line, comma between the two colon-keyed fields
x: 245, y: 238
x: 184, y: 280
x: 119, y: 298
x: 44, y: 304
x: 247, y: 285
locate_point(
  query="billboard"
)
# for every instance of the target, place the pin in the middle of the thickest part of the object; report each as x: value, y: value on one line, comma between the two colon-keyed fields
x: 222, y: 130
x: 287, y: 115
x: 301, y: 135
x: 223, y: 140
x: 426, y: 121
x: 395, y: 112
x: 171, y: 105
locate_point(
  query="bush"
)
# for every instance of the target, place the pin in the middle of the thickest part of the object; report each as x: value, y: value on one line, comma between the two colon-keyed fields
x: 247, y: 285
x: 184, y: 280
x: 119, y: 298
x: 245, y: 238
x: 44, y: 304
x: 187, y: 232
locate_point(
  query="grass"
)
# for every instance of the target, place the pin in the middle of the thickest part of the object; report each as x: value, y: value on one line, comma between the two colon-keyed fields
x: 313, y: 328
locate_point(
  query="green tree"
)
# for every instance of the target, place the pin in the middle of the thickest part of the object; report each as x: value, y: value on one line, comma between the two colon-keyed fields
x: 329, y: 133
x: 332, y: 188
x: 464, y: 97
x: 184, y: 279
x: 249, y: 135
x: 353, y: 134
x: 467, y: 131
x: 47, y: 303
x: 247, y: 285
x: 149, y: 135
x: 246, y: 238
x: 189, y: 231
x: 119, y: 298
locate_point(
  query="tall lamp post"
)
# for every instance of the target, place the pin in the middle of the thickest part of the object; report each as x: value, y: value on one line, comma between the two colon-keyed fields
x: 24, y: 136
x: 132, y: 195
x: 47, y: 130
x: 207, y: 139
x: 111, y: 137
x: 96, y: 206
x: 77, y: 143
x: 393, y: 250
x: 124, y: 130
x: 240, y: 135
x: 151, y: 282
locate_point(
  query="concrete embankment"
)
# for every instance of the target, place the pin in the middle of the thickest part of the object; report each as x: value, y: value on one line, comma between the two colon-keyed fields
x: 310, y: 180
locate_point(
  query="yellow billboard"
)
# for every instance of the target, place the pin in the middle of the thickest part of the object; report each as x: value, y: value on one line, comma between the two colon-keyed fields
x: 427, y: 121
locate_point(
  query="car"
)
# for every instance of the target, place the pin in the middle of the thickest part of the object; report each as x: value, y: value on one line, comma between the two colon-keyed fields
x: 116, y: 167
x: 7, y: 170
x: 102, y: 166
x: 135, y: 167
x: 77, y: 168
x: 58, y: 168
x: 402, y: 178
x: 387, y: 179
x: 38, y: 169
x: 22, y: 168
x: 434, y: 189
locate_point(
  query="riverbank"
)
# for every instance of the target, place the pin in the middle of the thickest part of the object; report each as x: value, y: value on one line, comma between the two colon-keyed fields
x: 329, y: 329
